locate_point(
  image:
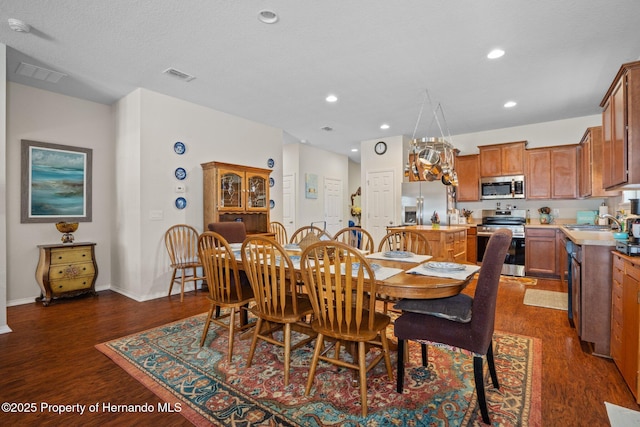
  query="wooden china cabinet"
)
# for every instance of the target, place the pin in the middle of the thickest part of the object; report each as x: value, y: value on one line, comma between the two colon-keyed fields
x: 236, y: 193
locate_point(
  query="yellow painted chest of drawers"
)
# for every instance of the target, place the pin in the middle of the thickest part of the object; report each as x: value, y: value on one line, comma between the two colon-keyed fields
x: 66, y: 270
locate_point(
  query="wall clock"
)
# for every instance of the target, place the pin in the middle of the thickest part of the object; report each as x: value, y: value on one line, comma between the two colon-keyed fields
x: 381, y: 147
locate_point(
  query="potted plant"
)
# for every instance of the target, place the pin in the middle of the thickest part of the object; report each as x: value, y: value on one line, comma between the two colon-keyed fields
x: 467, y: 215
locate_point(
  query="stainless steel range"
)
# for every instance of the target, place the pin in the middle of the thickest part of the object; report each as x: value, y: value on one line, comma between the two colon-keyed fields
x: 514, y: 220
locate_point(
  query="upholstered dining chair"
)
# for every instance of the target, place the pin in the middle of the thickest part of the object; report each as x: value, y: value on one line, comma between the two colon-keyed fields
x: 356, y: 237
x: 228, y: 287
x: 232, y: 231
x: 280, y: 232
x: 302, y: 232
x: 339, y: 280
x: 402, y: 240
x: 405, y: 240
x: 460, y: 321
x: 272, y: 277
x: 181, y: 241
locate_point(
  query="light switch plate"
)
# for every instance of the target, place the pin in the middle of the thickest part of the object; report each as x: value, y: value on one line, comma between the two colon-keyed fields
x: 156, y: 215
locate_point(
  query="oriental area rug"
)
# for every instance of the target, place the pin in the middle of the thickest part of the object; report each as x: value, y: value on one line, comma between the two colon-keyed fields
x: 169, y: 361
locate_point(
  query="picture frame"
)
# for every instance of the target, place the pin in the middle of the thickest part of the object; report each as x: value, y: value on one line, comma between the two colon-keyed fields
x: 56, y: 183
x: 311, y: 186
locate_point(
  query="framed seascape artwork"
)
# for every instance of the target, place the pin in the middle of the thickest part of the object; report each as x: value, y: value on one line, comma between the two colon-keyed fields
x: 56, y: 182
x: 311, y: 186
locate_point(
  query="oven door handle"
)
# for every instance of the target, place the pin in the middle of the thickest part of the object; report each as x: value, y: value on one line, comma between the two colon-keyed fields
x: 484, y: 233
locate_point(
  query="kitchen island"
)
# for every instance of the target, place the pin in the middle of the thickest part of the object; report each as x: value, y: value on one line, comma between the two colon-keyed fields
x: 590, y: 287
x: 448, y: 242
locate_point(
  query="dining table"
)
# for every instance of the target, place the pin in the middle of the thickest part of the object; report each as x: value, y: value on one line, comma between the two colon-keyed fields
x: 406, y: 276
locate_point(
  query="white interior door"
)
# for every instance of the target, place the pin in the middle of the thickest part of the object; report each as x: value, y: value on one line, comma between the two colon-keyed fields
x: 289, y: 203
x: 380, y: 199
x: 333, y: 204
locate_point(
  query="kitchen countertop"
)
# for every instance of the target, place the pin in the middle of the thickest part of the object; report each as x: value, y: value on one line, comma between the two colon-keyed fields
x: 590, y: 237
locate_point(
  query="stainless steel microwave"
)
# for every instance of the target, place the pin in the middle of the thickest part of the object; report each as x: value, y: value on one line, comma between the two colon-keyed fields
x: 502, y: 187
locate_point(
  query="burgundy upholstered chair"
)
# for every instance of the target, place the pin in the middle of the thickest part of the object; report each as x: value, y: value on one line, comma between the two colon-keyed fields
x: 459, y: 321
x: 233, y: 232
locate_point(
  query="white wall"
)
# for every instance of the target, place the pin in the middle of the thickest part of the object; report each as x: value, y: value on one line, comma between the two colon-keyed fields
x: 301, y: 159
x: 149, y: 124
x: 3, y: 191
x: 559, y: 132
x: 393, y: 160
x: 39, y: 115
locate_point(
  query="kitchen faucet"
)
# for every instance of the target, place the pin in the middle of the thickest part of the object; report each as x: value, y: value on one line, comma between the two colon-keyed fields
x: 612, y: 218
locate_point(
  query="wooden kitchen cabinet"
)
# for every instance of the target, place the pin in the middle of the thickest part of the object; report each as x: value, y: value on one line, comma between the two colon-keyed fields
x: 552, y: 172
x: 448, y: 243
x: 66, y: 270
x: 625, y: 318
x: 541, y: 255
x: 236, y: 193
x: 502, y: 159
x: 468, y: 168
x: 621, y: 129
x: 590, y: 165
x: 472, y: 245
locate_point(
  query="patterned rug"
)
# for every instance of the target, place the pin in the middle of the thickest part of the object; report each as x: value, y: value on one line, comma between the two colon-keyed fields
x: 169, y: 361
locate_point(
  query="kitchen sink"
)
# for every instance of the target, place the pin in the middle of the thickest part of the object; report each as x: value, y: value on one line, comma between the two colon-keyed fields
x: 587, y: 227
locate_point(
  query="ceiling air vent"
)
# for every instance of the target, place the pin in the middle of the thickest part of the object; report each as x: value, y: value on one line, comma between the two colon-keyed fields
x: 179, y: 74
x: 39, y: 73
x: 327, y: 128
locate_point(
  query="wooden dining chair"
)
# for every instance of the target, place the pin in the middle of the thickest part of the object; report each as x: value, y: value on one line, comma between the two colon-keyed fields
x: 228, y: 287
x: 273, y: 280
x: 181, y: 241
x: 459, y: 321
x: 280, y: 232
x: 339, y: 281
x: 302, y: 232
x: 356, y: 237
x: 402, y: 240
x: 405, y: 240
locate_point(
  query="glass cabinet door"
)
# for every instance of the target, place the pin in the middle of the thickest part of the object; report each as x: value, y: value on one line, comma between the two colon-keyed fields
x: 230, y: 186
x: 256, y: 192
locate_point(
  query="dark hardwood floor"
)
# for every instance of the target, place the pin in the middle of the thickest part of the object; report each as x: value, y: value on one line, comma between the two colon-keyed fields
x: 50, y: 358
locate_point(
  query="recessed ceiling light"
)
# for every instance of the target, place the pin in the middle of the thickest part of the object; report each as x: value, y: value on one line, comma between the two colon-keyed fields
x: 354, y: 150
x: 495, y: 53
x: 268, y: 16
x: 510, y: 104
x: 384, y: 126
x: 331, y: 98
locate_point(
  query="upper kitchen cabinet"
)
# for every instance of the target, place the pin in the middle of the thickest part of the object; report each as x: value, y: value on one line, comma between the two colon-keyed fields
x: 621, y: 129
x: 236, y: 193
x: 552, y: 172
x: 468, y: 169
x: 590, y: 165
x: 502, y: 159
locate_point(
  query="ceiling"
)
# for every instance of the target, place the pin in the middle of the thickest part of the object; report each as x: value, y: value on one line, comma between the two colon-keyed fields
x: 380, y: 58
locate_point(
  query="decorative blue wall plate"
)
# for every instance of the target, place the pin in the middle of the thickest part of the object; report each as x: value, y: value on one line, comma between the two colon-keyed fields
x: 181, y: 173
x: 271, y: 163
x: 272, y: 204
x: 181, y: 203
x: 272, y: 182
x: 179, y: 147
